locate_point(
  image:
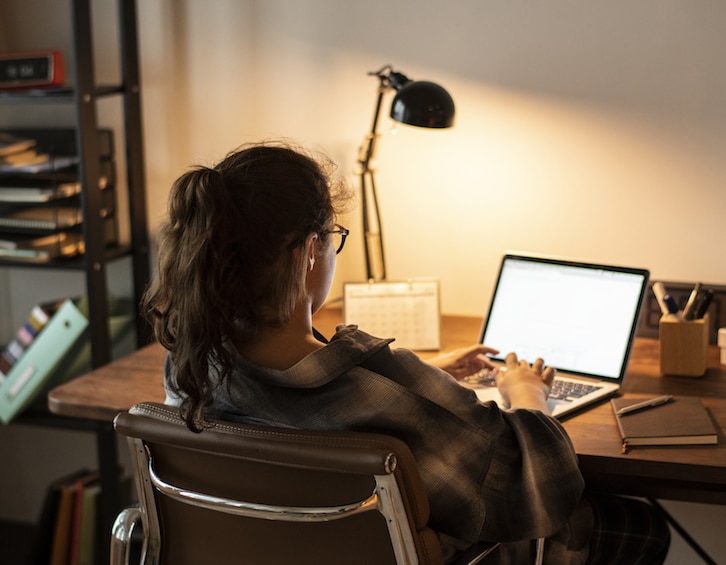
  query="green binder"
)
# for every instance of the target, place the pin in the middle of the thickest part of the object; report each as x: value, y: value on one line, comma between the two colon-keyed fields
x: 30, y: 373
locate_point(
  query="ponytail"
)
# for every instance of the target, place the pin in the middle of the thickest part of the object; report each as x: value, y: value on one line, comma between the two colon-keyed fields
x: 185, y: 302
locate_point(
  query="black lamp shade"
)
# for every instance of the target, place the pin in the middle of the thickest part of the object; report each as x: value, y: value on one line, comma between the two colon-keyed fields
x: 424, y: 104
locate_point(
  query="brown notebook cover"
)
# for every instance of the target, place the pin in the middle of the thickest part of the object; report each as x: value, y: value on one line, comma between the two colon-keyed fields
x: 683, y: 421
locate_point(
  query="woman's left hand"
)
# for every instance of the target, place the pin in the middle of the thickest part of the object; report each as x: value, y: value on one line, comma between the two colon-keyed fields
x: 464, y: 361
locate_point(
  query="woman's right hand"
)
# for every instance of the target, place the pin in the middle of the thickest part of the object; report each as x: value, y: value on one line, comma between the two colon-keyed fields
x: 525, y: 386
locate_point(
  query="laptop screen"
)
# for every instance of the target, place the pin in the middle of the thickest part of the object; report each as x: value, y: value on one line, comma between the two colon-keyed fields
x: 580, y: 318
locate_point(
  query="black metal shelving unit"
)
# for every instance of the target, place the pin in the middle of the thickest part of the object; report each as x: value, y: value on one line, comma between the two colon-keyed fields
x: 83, y: 95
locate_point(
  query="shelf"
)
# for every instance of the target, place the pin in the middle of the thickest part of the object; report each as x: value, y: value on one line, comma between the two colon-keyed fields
x: 55, y: 96
x: 82, y: 94
x: 78, y: 263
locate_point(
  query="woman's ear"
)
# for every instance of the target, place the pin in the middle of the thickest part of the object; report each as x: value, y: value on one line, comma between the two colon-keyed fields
x: 310, y: 244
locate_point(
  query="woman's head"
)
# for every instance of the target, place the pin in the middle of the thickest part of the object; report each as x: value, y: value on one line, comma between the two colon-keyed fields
x: 232, y: 252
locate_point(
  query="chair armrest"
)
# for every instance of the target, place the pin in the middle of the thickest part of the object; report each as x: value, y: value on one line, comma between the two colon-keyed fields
x: 121, y: 532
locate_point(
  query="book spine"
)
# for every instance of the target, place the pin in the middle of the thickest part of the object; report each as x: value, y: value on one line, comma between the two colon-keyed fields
x: 5, y: 366
x: 60, y: 545
x: 39, y: 317
x: 621, y: 431
x: 28, y: 224
x: 26, y: 334
x: 13, y: 351
x: 31, y: 373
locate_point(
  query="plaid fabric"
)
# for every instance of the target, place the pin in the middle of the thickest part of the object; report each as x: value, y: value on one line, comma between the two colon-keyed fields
x: 627, y: 530
x: 491, y: 475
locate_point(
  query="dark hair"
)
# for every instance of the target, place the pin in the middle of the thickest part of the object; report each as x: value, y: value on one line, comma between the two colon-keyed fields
x: 229, y: 260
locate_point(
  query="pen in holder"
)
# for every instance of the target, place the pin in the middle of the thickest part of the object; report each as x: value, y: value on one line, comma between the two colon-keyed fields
x: 683, y: 346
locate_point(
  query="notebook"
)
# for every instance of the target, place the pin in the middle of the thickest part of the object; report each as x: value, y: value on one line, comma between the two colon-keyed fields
x: 580, y: 317
x: 682, y: 421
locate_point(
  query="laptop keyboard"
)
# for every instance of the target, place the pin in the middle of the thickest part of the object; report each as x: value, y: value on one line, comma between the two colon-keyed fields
x: 567, y: 390
x: 561, y: 389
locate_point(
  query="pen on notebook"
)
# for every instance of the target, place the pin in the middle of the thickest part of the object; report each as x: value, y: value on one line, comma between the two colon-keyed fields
x: 638, y: 406
x: 688, y: 308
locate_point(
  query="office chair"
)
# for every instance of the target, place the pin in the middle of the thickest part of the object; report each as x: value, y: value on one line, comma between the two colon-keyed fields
x: 248, y: 494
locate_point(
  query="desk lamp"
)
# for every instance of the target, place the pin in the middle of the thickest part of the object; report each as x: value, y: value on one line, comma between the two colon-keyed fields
x: 417, y: 103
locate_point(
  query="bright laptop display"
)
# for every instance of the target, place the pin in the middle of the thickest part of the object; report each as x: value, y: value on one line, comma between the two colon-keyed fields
x: 579, y: 317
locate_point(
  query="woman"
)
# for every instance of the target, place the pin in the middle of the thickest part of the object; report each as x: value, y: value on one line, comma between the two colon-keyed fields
x: 246, y: 257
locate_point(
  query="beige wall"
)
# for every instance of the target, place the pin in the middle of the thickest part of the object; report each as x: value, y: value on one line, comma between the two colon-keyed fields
x: 589, y: 130
x: 592, y: 131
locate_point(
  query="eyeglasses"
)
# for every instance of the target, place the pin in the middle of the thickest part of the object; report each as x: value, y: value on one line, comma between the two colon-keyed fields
x: 339, y: 235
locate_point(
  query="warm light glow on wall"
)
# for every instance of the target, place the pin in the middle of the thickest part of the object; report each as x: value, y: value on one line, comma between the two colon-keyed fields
x: 539, y: 174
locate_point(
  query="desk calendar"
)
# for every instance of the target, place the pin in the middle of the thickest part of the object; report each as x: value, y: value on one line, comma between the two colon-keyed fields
x: 408, y: 311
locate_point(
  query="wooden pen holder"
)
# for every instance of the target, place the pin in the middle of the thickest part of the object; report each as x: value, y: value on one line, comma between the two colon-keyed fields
x: 683, y: 346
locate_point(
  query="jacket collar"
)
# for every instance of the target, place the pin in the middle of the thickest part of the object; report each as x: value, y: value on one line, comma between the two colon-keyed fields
x: 348, y: 348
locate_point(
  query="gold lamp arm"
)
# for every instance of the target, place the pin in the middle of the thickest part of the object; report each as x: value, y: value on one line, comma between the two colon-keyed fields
x: 372, y: 229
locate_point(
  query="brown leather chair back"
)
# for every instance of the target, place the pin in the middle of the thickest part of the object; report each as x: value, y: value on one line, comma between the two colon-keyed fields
x: 192, y: 488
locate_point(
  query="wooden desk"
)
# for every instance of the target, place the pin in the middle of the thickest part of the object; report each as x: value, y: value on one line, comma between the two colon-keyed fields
x: 690, y: 473
x: 696, y: 474
x: 108, y: 390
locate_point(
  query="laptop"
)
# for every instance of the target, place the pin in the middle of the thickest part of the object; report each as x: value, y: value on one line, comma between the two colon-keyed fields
x: 581, y: 318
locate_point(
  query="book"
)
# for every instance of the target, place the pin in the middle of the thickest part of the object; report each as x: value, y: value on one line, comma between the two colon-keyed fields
x: 61, y: 542
x: 41, y: 218
x: 683, y: 421
x: 63, y: 141
x: 43, y: 187
x: 51, y: 509
x: 42, y: 249
x: 23, y: 158
x: 24, y: 192
x: 48, y: 164
x: 87, y: 547
x: 11, y: 144
x: 30, y: 373
x: 121, y: 324
x: 83, y: 525
x: 64, y: 544
x: 37, y: 319
x: 69, y: 531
